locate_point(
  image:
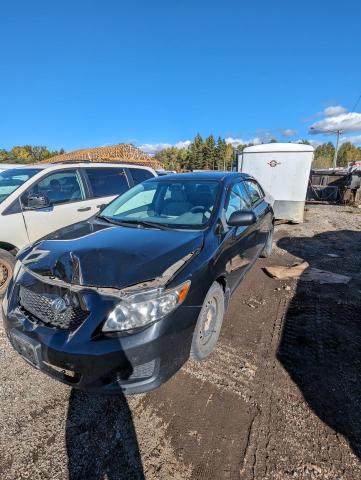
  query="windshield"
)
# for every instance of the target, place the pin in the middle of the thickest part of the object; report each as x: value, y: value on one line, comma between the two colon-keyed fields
x: 180, y: 204
x: 13, y: 178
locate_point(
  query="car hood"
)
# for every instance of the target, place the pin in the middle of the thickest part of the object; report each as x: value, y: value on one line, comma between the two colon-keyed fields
x: 99, y: 254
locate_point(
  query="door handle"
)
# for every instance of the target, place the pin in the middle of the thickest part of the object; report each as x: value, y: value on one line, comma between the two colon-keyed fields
x: 85, y: 209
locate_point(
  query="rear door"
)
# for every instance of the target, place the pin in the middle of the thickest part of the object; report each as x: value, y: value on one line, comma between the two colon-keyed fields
x: 104, y: 184
x: 238, y: 246
x: 69, y: 204
x: 263, y: 213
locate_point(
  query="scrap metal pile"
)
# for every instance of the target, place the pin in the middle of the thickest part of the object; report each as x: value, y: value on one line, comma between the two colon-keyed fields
x: 336, y: 185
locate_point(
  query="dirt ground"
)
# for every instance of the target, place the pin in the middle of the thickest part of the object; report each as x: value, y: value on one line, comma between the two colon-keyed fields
x: 280, y: 398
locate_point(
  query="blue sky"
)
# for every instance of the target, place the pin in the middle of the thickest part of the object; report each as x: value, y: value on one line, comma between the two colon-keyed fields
x: 78, y: 73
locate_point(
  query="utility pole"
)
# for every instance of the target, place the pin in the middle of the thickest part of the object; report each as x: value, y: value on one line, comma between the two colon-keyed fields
x: 338, y: 132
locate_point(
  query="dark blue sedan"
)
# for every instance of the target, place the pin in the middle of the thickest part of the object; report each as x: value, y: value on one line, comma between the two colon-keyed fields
x: 122, y: 300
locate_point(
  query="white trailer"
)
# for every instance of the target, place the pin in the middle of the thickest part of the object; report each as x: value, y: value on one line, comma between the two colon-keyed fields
x: 283, y: 169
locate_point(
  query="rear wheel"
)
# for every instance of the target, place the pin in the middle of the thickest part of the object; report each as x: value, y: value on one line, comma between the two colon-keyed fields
x: 267, y: 249
x: 7, y: 263
x: 209, y: 323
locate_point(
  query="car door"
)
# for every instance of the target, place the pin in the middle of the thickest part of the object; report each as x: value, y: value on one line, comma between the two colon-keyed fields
x: 104, y: 184
x: 239, y: 243
x: 68, y: 203
x: 263, y: 213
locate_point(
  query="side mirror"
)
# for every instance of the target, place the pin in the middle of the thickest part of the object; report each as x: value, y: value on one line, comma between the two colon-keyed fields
x: 36, y: 201
x: 242, y: 218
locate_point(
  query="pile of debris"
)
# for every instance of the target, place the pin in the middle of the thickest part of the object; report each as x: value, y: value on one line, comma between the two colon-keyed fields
x: 122, y: 152
x: 304, y: 272
x: 336, y: 185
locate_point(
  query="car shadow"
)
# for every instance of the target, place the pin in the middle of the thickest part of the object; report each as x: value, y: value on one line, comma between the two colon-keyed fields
x: 320, y: 345
x: 101, y: 440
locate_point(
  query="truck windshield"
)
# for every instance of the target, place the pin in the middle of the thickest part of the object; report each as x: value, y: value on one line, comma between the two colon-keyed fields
x: 172, y: 204
x: 13, y: 178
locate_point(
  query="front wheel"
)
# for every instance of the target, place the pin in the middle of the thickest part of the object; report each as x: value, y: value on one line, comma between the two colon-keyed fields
x: 209, y: 323
x: 7, y: 264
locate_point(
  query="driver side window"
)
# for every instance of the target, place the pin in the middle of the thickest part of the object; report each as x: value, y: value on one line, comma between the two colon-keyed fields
x: 59, y: 187
x: 238, y: 200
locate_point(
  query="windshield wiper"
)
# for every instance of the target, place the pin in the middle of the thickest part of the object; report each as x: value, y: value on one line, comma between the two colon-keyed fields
x: 107, y: 219
x: 143, y: 223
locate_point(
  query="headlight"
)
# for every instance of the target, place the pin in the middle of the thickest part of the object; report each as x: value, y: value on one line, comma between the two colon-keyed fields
x: 142, y: 308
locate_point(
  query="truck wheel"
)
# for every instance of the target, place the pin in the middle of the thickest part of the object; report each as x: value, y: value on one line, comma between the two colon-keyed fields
x: 267, y: 249
x: 209, y: 323
x: 7, y: 264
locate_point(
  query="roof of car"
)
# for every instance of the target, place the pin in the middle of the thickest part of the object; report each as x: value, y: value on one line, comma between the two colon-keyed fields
x: 60, y: 165
x: 205, y: 175
x: 19, y: 165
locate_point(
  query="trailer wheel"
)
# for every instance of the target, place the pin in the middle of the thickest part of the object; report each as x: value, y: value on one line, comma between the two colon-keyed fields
x: 7, y: 264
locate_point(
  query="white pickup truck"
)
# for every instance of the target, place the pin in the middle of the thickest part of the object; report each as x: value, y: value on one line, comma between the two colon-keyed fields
x: 39, y: 199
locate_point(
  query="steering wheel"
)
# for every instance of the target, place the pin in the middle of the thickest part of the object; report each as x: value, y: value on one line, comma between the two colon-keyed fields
x: 200, y: 209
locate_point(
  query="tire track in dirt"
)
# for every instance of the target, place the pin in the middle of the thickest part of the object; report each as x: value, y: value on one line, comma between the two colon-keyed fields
x: 225, y: 369
x: 254, y: 465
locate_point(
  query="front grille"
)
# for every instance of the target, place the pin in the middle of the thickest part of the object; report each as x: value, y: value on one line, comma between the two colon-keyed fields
x: 39, y: 309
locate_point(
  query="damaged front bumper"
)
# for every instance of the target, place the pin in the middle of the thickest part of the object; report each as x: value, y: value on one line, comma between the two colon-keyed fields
x: 76, y: 351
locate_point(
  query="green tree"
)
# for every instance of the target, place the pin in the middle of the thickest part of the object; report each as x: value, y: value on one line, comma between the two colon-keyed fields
x: 21, y: 154
x: 324, y: 156
x: 173, y: 158
x: 221, y: 154
x: 195, y: 154
x: 229, y: 156
x: 241, y: 147
x: 27, y: 154
x: 209, y: 153
x: 348, y: 153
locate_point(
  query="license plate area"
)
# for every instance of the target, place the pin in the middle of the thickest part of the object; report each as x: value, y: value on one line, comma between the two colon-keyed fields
x: 28, y: 348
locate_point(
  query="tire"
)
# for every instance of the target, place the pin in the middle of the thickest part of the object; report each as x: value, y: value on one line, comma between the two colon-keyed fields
x: 209, y: 324
x: 7, y: 264
x: 267, y: 249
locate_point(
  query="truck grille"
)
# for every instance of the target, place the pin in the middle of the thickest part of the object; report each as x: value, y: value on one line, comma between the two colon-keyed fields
x: 39, y: 308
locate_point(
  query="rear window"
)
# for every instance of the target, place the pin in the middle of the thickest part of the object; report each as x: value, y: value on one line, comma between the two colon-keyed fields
x: 106, y: 182
x: 140, y: 175
x: 255, y: 191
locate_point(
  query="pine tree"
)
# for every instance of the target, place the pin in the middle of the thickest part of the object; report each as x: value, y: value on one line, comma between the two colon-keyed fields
x: 221, y: 153
x: 209, y: 153
x: 195, y: 154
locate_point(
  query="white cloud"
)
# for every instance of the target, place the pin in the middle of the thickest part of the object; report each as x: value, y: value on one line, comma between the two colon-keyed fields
x: 184, y: 144
x: 288, y: 132
x: 347, y: 122
x: 153, y: 148
x: 333, y: 110
x: 356, y: 139
x: 240, y: 141
x: 315, y: 143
